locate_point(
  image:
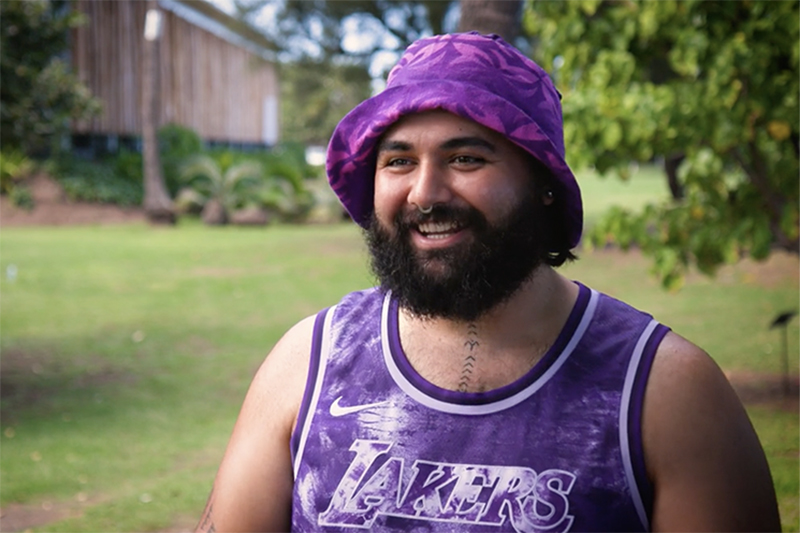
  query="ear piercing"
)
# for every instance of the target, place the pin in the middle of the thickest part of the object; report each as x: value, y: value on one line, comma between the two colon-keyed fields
x: 549, y: 194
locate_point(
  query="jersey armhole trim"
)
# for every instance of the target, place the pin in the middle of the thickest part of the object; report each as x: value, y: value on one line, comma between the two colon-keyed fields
x: 630, y: 426
x: 320, y: 346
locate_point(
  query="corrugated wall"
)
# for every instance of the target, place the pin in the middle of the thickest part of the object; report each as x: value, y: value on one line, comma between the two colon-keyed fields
x: 217, y: 89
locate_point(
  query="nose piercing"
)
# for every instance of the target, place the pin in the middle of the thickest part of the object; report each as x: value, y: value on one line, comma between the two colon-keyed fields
x: 425, y: 210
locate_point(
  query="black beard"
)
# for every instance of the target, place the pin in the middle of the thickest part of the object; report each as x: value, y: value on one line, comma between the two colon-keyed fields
x: 465, y: 281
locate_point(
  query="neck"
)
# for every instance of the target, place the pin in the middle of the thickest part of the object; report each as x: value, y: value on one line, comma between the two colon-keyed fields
x: 496, y: 348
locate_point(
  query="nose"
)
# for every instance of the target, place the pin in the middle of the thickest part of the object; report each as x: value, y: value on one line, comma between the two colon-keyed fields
x: 430, y: 186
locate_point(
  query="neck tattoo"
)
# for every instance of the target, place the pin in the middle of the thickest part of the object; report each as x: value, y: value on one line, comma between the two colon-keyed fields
x: 471, y: 344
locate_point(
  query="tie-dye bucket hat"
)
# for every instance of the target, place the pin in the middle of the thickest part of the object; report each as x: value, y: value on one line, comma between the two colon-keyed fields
x: 478, y: 77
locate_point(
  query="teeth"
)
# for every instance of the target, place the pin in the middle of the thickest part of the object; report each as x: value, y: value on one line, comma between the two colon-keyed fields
x: 432, y: 228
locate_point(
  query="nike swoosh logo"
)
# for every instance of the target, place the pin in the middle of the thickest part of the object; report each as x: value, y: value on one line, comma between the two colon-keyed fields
x: 338, y: 410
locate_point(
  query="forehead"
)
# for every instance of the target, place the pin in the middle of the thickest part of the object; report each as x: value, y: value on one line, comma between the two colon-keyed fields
x: 440, y: 125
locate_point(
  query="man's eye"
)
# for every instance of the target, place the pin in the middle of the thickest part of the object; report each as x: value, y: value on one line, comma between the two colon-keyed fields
x: 397, y: 162
x: 467, y: 160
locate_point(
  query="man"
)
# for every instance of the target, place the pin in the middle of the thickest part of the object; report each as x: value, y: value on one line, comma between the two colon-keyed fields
x: 477, y: 389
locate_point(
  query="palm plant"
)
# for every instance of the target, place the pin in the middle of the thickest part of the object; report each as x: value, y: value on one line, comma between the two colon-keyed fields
x: 221, y: 190
x: 284, y: 190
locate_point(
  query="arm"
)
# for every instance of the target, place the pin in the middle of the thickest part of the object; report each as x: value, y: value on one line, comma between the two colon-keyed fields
x: 708, y: 469
x: 253, y: 487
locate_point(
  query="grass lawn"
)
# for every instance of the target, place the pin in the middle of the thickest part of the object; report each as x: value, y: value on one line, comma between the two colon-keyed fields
x: 127, y: 350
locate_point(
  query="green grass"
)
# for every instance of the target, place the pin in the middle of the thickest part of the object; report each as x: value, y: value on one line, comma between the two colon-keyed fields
x: 646, y: 184
x: 779, y: 435
x: 126, y: 353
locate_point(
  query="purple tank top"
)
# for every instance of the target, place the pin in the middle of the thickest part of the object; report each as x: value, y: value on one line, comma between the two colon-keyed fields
x: 378, y: 447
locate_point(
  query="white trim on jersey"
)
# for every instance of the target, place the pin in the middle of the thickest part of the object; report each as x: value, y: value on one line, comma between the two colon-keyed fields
x: 483, y: 409
x: 324, y: 354
x: 624, y: 413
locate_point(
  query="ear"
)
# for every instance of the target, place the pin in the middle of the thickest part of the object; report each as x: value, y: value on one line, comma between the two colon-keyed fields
x: 548, y: 197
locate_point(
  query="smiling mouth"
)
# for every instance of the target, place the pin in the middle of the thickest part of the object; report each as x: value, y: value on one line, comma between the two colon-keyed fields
x: 438, y: 230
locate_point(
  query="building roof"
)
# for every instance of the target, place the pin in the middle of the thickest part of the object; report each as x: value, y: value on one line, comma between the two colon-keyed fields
x: 207, y: 16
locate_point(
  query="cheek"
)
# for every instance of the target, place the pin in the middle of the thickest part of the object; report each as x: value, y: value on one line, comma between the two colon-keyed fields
x: 498, y: 196
x: 514, y: 184
x: 388, y: 199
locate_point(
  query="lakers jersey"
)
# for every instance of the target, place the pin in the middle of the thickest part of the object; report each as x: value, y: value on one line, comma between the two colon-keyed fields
x: 379, y: 448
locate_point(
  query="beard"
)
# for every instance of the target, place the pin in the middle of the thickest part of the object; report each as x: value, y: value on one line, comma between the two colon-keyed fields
x: 465, y: 281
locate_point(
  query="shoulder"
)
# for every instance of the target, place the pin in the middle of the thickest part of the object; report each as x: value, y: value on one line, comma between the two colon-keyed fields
x: 614, y: 315
x: 707, y: 466
x: 685, y: 382
x: 289, y: 358
x: 285, y: 369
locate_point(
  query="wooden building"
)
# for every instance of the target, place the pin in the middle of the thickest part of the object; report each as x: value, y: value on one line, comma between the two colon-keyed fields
x: 216, y: 75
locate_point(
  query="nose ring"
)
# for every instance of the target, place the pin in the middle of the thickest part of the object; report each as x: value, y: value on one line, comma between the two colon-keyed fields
x: 425, y: 210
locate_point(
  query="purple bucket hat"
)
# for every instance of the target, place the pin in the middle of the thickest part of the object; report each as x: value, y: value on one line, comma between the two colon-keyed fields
x: 478, y: 77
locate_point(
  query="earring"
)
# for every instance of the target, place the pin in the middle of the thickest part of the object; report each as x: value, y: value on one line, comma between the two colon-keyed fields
x: 549, y: 196
x: 425, y: 210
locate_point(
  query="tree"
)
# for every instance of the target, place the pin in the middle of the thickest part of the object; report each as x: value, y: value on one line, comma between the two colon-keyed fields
x: 710, y: 87
x: 332, y: 52
x: 157, y: 203
x: 327, y: 52
x: 317, y: 28
x: 491, y: 16
x: 315, y: 95
x: 38, y: 95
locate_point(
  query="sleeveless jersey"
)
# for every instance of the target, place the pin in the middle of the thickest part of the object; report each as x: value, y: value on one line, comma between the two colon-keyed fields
x: 379, y: 448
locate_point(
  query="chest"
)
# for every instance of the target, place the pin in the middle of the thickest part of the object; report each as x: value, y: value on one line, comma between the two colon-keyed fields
x: 377, y: 458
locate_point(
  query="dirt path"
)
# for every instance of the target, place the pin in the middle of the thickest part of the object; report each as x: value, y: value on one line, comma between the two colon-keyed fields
x: 770, y: 390
x: 18, y: 517
x: 51, y: 208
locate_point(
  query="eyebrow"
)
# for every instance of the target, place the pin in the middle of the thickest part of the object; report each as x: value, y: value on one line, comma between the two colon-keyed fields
x: 393, y: 146
x: 390, y: 145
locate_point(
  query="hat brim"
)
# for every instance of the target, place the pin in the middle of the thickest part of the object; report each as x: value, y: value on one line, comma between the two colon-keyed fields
x: 352, y: 156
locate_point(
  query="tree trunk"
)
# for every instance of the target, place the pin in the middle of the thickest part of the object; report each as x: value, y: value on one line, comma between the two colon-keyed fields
x: 437, y: 9
x: 491, y: 16
x: 157, y: 203
x: 214, y: 213
x: 671, y: 164
x: 773, y: 201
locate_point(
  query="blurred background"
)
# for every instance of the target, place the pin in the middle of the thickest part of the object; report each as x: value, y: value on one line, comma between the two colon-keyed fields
x: 165, y: 217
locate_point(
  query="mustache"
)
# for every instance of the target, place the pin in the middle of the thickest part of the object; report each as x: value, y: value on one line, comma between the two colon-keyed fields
x: 462, y: 215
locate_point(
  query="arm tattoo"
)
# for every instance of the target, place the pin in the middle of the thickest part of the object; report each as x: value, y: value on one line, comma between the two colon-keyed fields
x: 206, y: 524
x: 469, y: 361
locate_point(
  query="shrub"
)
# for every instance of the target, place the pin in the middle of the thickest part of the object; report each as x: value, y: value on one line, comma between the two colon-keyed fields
x: 176, y: 144
x: 128, y: 165
x: 14, y: 168
x: 96, y: 181
x: 20, y: 196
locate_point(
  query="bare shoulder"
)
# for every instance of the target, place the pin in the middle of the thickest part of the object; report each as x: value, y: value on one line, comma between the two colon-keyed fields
x: 253, y: 487
x: 286, y: 366
x: 705, y: 460
x: 277, y: 388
